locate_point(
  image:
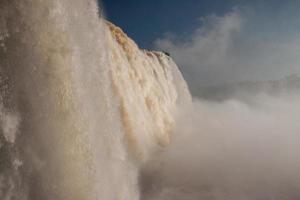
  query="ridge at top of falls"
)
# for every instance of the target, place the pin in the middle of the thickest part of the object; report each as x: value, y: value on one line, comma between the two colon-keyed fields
x: 149, y: 87
x: 128, y: 45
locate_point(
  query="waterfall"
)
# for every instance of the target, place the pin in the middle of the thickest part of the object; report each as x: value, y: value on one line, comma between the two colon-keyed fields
x: 81, y: 106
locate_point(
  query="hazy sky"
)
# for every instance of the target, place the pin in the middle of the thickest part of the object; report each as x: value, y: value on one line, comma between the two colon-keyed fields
x: 146, y: 20
x: 217, y: 41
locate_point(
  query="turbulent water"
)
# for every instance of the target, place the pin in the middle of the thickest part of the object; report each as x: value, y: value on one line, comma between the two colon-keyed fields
x: 81, y: 106
x: 85, y: 115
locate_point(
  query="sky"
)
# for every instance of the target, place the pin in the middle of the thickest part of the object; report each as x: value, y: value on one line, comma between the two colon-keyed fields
x: 146, y: 20
x: 215, y: 42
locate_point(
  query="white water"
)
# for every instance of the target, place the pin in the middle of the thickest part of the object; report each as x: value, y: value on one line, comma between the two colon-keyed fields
x: 83, y: 112
x: 81, y: 106
x: 231, y: 151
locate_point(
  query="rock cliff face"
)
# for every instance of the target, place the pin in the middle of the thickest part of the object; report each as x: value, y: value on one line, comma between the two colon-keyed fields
x: 80, y: 104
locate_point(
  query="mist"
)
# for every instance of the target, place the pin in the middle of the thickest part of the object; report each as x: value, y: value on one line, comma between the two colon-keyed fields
x: 234, y: 47
x: 88, y: 115
x: 239, y: 140
x: 231, y: 150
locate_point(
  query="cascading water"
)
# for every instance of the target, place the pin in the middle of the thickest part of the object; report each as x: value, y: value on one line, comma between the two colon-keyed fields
x: 81, y: 106
x: 85, y: 115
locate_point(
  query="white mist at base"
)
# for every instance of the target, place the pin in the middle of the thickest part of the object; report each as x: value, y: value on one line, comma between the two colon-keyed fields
x: 83, y: 110
x: 231, y: 151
